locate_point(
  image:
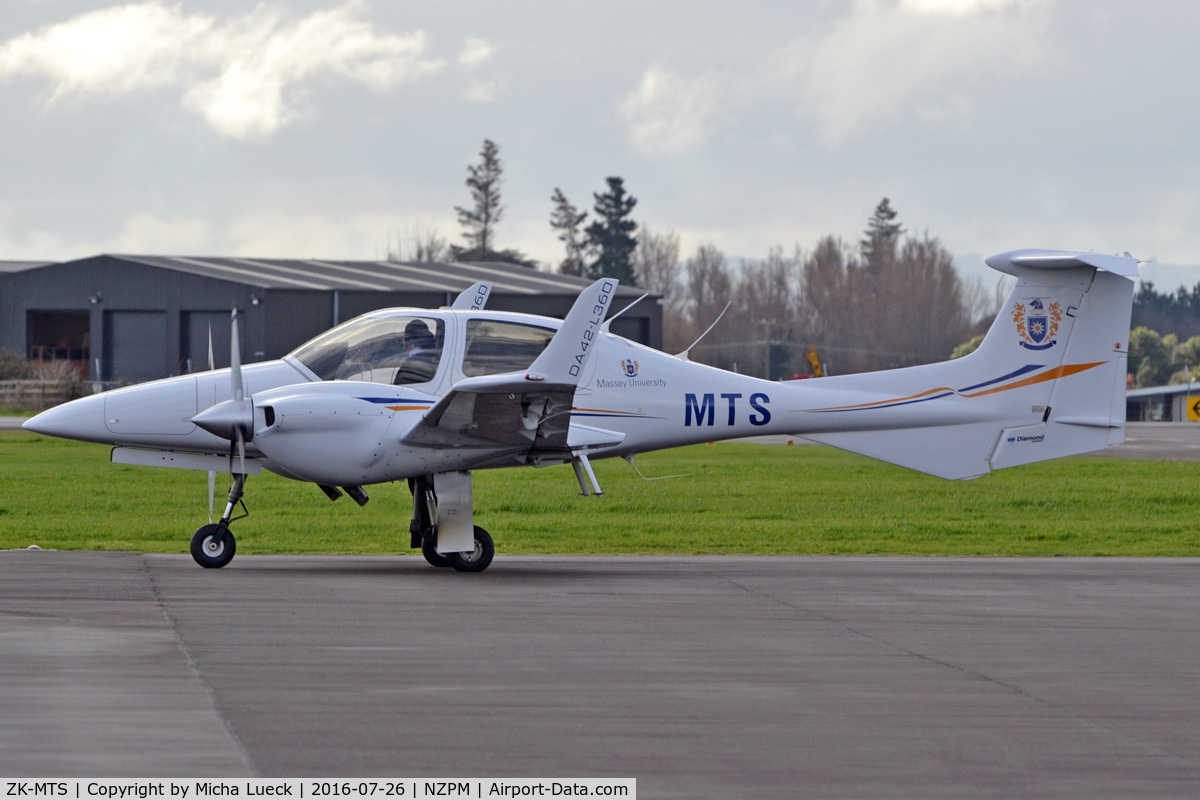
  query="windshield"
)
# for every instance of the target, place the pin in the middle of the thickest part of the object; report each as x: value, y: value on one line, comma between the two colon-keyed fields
x: 397, y: 350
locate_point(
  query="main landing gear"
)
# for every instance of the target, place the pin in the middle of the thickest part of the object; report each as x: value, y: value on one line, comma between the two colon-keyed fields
x: 213, y: 545
x: 424, y: 532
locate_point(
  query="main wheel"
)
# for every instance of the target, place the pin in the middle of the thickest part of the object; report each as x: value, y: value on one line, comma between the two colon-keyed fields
x: 428, y: 549
x: 478, y: 559
x: 213, y: 545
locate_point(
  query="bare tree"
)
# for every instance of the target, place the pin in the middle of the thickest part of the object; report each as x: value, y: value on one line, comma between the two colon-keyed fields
x: 828, y: 301
x: 709, y: 286
x: 768, y: 295
x: 922, y: 304
x: 656, y: 263
x: 907, y: 307
x: 568, y: 221
x: 419, y: 244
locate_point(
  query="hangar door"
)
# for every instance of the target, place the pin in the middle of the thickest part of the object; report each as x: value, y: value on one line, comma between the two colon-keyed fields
x: 135, y: 345
x: 194, y: 347
x: 60, y: 336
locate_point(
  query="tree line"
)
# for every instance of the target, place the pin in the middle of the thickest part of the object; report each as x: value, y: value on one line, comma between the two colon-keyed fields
x: 1156, y: 360
x: 893, y: 299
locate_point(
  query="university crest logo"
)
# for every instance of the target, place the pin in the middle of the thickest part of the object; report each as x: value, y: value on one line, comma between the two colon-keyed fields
x: 1036, y: 324
x: 629, y: 367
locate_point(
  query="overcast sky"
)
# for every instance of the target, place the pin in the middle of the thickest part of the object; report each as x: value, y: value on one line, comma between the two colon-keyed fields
x: 319, y: 128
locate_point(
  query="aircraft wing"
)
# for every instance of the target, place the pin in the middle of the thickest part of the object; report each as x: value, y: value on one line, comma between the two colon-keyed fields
x: 526, y: 416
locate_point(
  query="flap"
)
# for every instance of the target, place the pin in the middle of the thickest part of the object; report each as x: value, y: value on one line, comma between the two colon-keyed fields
x: 580, y: 437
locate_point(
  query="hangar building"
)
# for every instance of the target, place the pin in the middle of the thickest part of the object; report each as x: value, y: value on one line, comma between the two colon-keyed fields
x: 123, y: 318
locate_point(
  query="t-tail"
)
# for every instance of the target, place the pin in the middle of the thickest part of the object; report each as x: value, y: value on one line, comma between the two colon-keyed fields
x: 1047, y: 381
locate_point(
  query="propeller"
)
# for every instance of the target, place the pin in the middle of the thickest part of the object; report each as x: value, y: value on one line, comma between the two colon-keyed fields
x: 232, y: 419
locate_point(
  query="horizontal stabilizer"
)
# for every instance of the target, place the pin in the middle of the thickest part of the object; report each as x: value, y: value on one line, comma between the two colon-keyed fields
x: 955, y: 452
x: 1012, y: 261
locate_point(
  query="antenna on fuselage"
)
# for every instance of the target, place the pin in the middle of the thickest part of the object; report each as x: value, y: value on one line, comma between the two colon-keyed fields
x: 684, y: 355
x: 629, y: 458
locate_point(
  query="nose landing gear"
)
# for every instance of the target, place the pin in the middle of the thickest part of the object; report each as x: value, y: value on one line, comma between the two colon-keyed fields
x: 213, y: 545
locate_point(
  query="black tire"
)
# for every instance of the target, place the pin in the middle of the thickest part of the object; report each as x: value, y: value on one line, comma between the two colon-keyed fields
x: 478, y: 559
x: 428, y: 550
x: 206, y: 550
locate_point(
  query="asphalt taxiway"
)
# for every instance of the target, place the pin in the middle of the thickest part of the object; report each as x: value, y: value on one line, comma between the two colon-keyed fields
x: 700, y: 677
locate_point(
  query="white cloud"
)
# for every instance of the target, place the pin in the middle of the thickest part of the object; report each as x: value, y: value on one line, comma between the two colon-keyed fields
x: 958, y: 7
x: 113, y: 51
x: 475, y: 53
x: 668, y: 114
x: 481, y: 91
x: 883, y: 59
x: 236, y: 75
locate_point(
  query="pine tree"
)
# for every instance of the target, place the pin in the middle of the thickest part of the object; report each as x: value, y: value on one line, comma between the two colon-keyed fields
x: 612, y: 234
x: 568, y: 221
x: 882, y: 233
x: 480, y: 221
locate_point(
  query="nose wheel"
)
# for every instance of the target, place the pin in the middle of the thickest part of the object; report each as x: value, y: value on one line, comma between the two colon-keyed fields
x: 213, y: 545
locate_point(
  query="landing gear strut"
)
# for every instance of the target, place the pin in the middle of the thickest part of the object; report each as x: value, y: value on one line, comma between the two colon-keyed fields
x: 213, y: 545
x: 423, y: 530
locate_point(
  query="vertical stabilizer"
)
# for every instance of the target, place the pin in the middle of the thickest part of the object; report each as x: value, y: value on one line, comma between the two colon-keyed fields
x: 1047, y: 381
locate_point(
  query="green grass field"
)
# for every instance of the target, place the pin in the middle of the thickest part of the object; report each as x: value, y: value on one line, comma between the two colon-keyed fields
x: 739, y: 498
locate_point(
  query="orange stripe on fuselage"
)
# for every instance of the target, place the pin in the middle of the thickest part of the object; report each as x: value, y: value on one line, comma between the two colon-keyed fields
x: 1049, y: 375
x: 887, y: 402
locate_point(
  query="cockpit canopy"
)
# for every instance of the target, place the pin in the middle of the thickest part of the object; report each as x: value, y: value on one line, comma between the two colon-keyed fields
x: 399, y: 349
x: 406, y: 349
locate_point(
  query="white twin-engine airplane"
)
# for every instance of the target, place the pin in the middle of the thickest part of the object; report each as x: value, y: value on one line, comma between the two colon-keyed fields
x: 430, y: 395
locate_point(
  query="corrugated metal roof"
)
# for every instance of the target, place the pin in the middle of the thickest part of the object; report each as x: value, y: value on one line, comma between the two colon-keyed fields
x: 21, y: 266
x: 380, y: 276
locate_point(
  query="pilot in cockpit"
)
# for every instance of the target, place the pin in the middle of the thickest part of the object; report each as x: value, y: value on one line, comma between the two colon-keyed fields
x: 422, y: 354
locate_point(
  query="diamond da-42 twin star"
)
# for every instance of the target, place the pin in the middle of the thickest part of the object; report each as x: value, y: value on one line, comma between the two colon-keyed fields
x: 428, y: 396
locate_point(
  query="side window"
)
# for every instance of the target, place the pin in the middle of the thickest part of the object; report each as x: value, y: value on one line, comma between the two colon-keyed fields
x: 494, y: 346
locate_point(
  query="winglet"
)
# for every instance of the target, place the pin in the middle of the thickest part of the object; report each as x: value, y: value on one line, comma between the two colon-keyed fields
x: 563, y: 360
x: 473, y: 298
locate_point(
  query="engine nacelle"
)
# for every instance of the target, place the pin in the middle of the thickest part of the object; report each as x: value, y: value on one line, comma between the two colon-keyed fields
x: 322, y: 432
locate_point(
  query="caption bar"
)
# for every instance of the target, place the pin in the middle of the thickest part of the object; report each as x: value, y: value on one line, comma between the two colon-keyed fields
x: 407, y: 788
